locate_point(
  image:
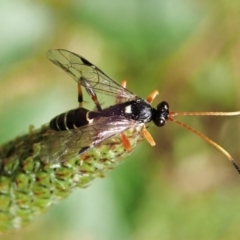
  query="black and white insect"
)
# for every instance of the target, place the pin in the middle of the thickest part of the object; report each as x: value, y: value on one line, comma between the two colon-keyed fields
x: 92, y: 127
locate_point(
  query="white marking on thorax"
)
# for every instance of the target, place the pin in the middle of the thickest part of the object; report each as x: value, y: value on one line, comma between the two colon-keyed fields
x: 128, y: 109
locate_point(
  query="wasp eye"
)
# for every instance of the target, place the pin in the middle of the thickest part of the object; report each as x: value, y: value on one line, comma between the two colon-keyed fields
x: 163, y: 107
x: 161, y: 114
x: 159, y: 121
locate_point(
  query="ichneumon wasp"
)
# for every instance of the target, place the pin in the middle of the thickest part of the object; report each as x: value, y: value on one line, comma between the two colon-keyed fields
x: 45, y: 165
x: 130, y: 111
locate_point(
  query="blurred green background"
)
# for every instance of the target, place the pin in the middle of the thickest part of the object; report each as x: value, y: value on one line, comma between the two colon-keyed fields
x: 182, y: 188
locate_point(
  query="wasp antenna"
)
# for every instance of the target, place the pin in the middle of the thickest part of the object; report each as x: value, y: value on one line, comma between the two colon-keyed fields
x: 207, y: 140
x: 173, y: 114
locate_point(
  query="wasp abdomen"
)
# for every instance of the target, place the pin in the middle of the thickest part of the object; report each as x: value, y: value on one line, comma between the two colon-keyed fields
x: 69, y: 120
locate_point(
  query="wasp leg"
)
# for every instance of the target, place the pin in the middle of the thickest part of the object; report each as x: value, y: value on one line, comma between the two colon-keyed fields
x: 125, y: 139
x: 152, y: 96
x: 80, y: 95
x: 126, y: 142
x: 148, y: 136
x: 124, y: 85
x: 91, y: 93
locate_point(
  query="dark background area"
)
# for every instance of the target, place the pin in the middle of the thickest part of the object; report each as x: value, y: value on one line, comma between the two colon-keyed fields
x: 182, y: 188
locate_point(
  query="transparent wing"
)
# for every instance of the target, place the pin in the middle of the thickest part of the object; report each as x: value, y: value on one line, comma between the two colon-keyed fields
x: 78, y: 67
x: 63, y: 145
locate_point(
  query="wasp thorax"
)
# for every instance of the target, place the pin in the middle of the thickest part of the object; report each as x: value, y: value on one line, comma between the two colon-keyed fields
x: 141, y: 111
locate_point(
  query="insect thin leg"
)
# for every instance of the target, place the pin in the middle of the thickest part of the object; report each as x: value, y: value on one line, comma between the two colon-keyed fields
x: 148, y: 136
x: 80, y: 95
x: 207, y: 140
x: 118, y: 98
x: 124, y: 83
x: 91, y: 92
x: 126, y: 142
x: 152, y: 96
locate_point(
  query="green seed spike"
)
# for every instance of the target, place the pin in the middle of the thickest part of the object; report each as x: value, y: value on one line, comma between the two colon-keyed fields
x: 39, y: 169
x: 28, y: 184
